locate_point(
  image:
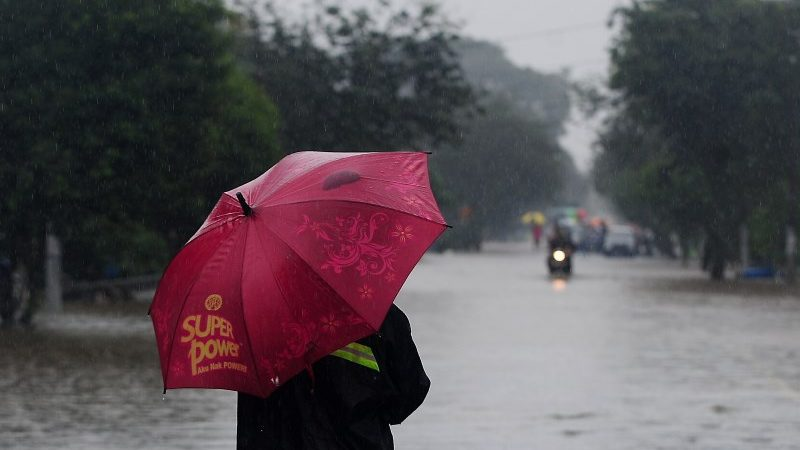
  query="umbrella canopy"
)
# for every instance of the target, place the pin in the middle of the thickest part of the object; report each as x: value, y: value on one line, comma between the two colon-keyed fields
x: 533, y: 217
x: 292, y: 266
x: 527, y: 218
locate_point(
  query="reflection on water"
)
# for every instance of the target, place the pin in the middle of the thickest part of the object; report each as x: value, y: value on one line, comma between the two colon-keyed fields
x: 634, y: 354
x: 88, y: 381
x: 559, y: 284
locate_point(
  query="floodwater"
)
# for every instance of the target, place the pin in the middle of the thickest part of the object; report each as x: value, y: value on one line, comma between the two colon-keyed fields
x: 627, y: 354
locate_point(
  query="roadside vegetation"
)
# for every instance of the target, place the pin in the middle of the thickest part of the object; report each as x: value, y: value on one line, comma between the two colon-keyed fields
x: 702, y: 139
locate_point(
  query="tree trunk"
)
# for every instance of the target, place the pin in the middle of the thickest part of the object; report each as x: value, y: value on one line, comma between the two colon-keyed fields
x: 684, y: 246
x: 791, y: 228
x: 744, y: 246
x: 52, y: 268
x: 791, y: 253
x: 715, y: 257
x: 717, y: 268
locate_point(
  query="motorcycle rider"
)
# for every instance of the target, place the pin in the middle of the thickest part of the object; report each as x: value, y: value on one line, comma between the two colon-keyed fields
x: 561, y: 239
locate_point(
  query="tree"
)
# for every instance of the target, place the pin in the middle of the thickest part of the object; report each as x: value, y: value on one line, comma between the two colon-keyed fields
x: 360, y: 79
x: 506, y: 162
x: 543, y: 97
x: 637, y: 170
x: 121, y: 122
x: 716, y: 83
x: 508, y: 159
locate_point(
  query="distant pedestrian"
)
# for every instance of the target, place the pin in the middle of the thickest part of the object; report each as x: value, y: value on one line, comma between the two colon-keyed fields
x: 537, y: 235
x: 347, y: 401
x: 561, y: 239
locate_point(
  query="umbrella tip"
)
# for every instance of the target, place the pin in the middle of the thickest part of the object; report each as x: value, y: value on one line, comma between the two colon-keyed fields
x: 245, y: 207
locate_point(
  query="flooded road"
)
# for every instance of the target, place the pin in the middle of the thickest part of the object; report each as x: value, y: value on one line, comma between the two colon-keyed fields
x: 628, y: 354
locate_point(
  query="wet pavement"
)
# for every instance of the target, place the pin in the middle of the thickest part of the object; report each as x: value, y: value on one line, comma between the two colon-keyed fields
x: 627, y: 354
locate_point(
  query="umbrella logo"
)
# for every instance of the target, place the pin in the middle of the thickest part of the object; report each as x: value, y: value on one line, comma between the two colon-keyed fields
x: 210, y: 338
x: 213, y: 302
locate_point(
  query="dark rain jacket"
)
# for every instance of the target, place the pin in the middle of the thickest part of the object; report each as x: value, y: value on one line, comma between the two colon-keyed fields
x: 561, y: 240
x: 347, y: 405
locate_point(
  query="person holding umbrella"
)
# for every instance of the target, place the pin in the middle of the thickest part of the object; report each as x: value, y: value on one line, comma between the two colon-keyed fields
x: 536, y: 220
x: 285, y: 294
x: 347, y: 400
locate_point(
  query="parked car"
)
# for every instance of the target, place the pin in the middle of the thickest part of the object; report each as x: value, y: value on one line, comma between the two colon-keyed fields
x: 620, y: 240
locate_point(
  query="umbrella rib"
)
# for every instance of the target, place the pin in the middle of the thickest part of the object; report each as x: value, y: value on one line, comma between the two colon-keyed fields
x: 321, y: 166
x: 226, y: 219
x: 307, y: 186
x: 183, y: 304
x: 396, y: 182
x: 274, y: 278
x: 272, y: 272
x: 292, y: 192
x: 360, y: 203
x: 273, y: 204
x: 244, y: 318
x: 381, y: 194
x: 314, y: 270
x: 219, y: 223
x: 273, y: 200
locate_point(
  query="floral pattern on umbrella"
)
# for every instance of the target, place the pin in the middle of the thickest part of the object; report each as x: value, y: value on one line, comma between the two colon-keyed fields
x: 351, y: 241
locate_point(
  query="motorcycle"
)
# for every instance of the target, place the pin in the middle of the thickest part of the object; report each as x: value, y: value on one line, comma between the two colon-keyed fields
x: 560, y: 262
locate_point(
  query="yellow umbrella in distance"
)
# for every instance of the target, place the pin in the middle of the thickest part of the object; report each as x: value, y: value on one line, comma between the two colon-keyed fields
x: 528, y: 217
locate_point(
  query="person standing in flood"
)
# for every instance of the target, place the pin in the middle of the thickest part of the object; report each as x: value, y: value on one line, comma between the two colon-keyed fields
x: 348, y: 400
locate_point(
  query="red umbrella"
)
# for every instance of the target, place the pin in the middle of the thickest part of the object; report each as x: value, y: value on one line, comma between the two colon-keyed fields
x: 292, y: 266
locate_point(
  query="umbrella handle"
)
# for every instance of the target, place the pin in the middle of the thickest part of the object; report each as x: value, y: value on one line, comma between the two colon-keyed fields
x: 245, y: 207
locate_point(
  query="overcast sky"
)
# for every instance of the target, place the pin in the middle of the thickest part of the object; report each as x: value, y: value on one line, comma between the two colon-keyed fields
x: 546, y: 35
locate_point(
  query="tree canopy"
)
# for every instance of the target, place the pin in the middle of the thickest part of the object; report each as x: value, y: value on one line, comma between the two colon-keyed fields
x: 122, y: 123
x: 544, y: 96
x: 704, y: 128
x: 361, y: 79
x: 505, y: 163
x: 508, y: 159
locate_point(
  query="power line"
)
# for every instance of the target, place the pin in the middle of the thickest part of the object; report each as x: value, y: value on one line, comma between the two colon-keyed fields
x: 552, y: 31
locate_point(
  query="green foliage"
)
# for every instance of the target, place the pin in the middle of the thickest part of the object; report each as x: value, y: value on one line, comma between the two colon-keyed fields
x: 507, y: 159
x: 122, y: 122
x: 545, y: 97
x: 504, y: 163
x: 638, y: 171
x: 392, y: 78
x: 707, y: 96
x: 766, y: 236
x: 359, y: 79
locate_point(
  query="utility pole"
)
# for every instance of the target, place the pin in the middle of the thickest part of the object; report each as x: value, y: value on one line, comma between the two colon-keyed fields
x: 744, y: 246
x: 52, y: 271
x: 791, y: 236
x: 791, y: 253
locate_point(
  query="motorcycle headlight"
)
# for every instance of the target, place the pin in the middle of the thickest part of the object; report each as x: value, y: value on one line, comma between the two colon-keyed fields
x: 559, y: 255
